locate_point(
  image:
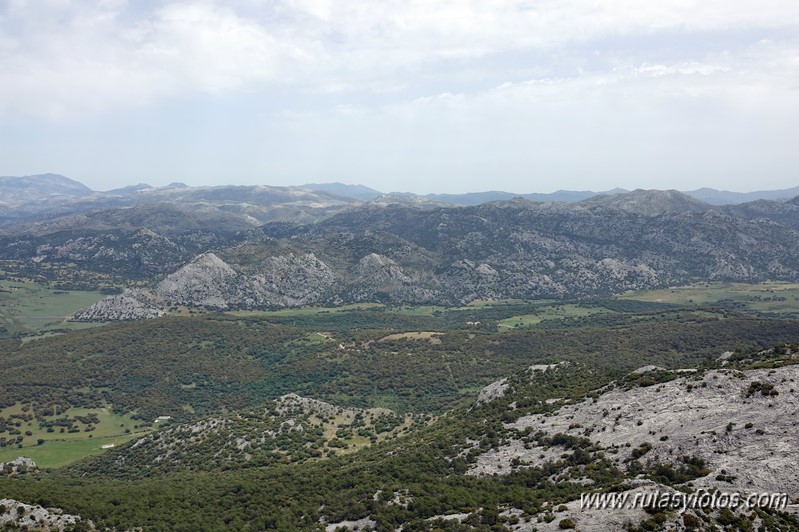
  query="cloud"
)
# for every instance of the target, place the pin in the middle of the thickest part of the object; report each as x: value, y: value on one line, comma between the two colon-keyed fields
x: 62, y: 58
x: 717, y: 120
x: 91, y: 57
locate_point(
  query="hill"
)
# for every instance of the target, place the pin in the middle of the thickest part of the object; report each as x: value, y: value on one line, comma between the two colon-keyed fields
x: 519, y: 458
x: 291, y: 429
x: 476, y: 198
x: 724, y: 197
x: 358, y: 192
x: 37, y: 198
x: 782, y: 213
x: 167, y: 219
x: 648, y: 202
x: 17, y: 190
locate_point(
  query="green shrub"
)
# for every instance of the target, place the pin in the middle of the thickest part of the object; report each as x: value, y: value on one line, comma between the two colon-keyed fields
x: 566, y: 524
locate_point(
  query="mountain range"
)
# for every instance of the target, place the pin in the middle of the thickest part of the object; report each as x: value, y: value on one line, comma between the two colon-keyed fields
x: 234, y: 247
x: 38, y: 197
x: 400, y: 254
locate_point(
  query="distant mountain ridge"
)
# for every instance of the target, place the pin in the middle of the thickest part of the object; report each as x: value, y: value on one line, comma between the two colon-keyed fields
x: 648, y: 202
x: 39, y: 187
x: 476, y: 198
x: 130, y: 189
x: 359, y: 192
x: 707, y: 195
x: 47, y: 196
x: 724, y: 197
x: 44, y: 196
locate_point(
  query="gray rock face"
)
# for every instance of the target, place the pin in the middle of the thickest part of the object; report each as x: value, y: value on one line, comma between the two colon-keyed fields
x: 35, y: 517
x: 284, y: 280
x: 206, y: 281
x: 291, y: 280
x: 721, y: 417
x: 23, y: 463
x: 493, y: 391
x: 360, y: 525
x: 126, y: 306
x: 605, y: 519
x: 741, y: 423
x: 280, y: 281
x: 379, y: 277
x: 380, y: 267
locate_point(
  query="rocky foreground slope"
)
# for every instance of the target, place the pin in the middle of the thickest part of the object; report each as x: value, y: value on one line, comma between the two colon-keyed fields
x: 523, y: 455
x: 728, y: 418
x: 726, y: 430
x: 15, y: 515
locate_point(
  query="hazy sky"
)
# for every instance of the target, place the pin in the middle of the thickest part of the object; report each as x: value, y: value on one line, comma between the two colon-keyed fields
x: 422, y: 96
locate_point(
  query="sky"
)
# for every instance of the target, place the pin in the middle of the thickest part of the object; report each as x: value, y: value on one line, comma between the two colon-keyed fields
x: 403, y: 95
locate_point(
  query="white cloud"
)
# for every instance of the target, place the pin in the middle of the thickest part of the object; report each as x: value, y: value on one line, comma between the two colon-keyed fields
x: 714, y: 123
x: 206, y: 47
x: 61, y: 57
x: 79, y: 58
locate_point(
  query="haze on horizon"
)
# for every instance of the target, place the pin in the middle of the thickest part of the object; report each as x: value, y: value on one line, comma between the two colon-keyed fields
x: 451, y: 96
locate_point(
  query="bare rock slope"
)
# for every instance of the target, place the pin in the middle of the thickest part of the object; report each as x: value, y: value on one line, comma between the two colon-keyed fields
x: 738, y: 426
x: 129, y: 305
x: 17, y: 515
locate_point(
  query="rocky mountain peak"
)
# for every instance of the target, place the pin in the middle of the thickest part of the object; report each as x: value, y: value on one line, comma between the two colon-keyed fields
x: 649, y: 202
x: 210, y: 261
x: 207, y: 281
x: 374, y: 261
x: 144, y: 232
x: 126, y: 306
x: 33, y: 187
x: 407, y: 200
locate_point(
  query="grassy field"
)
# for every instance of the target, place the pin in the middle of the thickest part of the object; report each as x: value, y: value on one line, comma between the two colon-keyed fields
x: 423, y: 310
x: 774, y: 297
x: 62, y: 448
x: 306, y: 311
x: 55, y: 453
x: 29, y: 306
x: 430, y: 336
x: 354, y: 441
x: 402, y: 310
x: 550, y: 312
